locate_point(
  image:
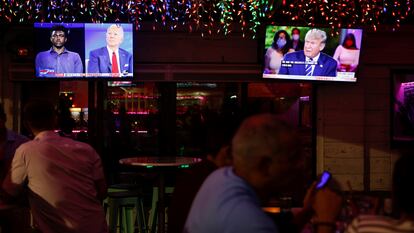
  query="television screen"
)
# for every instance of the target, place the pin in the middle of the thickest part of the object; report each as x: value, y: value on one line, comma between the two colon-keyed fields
x: 83, y: 50
x: 309, y: 53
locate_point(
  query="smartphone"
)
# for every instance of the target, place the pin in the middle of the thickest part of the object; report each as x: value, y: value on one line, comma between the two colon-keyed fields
x: 323, y: 179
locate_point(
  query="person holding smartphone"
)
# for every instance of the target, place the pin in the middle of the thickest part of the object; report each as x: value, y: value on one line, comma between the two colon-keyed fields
x: 266, y: 159
x: 326, y: 205
x: 321, y: 206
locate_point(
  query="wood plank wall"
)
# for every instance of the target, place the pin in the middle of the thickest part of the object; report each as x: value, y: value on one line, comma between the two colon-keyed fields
x: 353, y: 120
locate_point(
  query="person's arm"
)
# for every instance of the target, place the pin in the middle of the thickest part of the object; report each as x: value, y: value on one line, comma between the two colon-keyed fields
x: 266, y: 69
x: 331, y: 67
x: 16, y: 177
x: 356, y: 58
x: 353, y: 226
x: 355, y: 61
x: 93, y: 62
x: 101, y: 188
x: 38, y: 64
x: 283, y: 69
x: 99, y: 178
x: 78, y: 64
x: 337, y: 53
x: 301, y: 218
x: 131, y: 64
x: 326, y: 205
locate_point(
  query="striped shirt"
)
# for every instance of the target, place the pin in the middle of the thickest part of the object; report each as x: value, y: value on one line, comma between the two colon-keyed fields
x: 379, y: 224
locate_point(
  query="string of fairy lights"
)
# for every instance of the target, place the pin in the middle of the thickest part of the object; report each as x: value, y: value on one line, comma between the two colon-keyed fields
x: 211, y: 16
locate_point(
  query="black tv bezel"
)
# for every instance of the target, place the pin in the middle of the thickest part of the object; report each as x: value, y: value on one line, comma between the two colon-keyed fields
x: 323, y: 79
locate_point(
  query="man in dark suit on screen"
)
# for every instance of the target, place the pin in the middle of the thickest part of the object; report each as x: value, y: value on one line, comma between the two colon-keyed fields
x: 111, y: 59
x: 310, y: 61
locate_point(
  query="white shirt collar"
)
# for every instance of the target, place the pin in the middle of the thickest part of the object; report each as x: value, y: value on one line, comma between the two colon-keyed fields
x: 110, y: 51
x: 315, y: 59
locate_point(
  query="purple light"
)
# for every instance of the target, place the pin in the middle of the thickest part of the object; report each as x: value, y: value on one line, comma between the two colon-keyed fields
x: 407, y: 84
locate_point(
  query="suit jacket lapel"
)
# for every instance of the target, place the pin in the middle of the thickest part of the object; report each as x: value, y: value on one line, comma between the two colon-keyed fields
x: 121, y: 60
x: 319, y: 67
x: 302, y: 58
x: 106, y: 63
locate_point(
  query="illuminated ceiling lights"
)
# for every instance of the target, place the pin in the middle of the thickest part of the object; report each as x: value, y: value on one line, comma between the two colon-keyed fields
x: 211, y: 16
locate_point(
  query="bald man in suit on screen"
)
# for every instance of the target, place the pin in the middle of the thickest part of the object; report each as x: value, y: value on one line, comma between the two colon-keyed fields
x: 112, y: 59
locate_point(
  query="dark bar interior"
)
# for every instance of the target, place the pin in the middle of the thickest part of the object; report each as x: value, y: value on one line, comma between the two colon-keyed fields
x: 159, y: 96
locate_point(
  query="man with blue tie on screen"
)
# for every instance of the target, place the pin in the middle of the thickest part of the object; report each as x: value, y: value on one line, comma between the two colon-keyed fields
x: 111, y: 59
x: 310, y: 61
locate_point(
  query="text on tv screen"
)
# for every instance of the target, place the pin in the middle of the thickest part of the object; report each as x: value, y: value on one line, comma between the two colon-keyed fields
x: 83, y: 50
x: 309, y: 53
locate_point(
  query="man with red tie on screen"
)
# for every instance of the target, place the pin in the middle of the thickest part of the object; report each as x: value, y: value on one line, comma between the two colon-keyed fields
x: 310, y: 61
x: 112, y: 59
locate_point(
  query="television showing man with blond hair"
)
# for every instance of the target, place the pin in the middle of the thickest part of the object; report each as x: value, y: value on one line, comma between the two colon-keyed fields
x: 310, y: 61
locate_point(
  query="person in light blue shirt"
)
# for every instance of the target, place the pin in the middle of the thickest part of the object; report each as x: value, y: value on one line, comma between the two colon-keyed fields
x: 266, y: 162
x: 226, y: 203
x: 58, y: 61
x: 264, y: 152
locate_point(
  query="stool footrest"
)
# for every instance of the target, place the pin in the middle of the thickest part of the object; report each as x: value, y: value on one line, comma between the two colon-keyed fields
x: 126, y: 212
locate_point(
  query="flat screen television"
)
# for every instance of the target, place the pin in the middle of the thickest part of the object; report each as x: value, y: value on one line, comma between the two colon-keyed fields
x: 83, y: 50
x: 311, y: 53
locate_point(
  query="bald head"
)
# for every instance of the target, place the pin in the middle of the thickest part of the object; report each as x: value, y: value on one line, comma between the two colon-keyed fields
x: 263, y: 147
x: 263, y: 135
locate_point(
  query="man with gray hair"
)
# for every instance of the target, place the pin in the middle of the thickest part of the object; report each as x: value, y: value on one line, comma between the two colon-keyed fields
x: 112, y: 59
x: 310, y: 61
x: 266, y: 160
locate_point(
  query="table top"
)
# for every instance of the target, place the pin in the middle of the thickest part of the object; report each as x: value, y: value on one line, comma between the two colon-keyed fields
x: 160, y: 161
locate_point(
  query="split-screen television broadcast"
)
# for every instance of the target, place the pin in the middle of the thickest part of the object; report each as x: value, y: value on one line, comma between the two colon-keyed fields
x: 83, y: 50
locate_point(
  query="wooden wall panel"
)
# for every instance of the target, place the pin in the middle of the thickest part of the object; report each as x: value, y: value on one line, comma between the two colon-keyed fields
x: 339, y: 138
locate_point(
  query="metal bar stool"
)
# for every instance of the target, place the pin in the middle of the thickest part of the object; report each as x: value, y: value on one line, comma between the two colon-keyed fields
x: 152, y: 220
x: 127, y: 207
